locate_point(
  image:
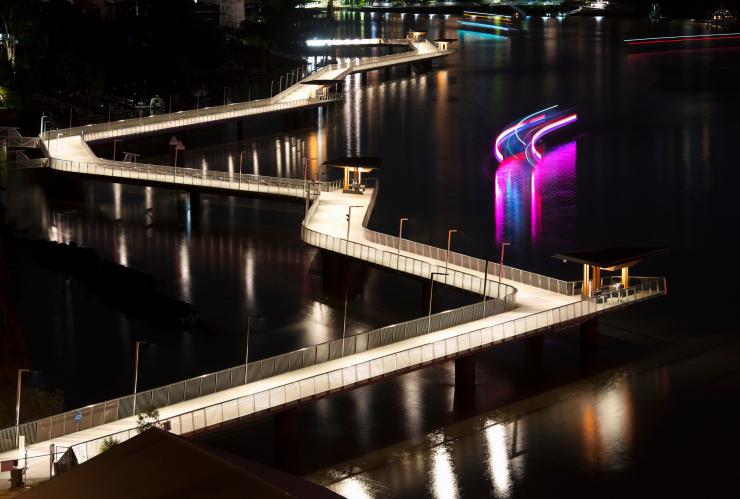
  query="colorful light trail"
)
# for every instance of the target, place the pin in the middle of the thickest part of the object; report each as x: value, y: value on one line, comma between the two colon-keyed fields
x: 682, y: 38
x: 523, y: 136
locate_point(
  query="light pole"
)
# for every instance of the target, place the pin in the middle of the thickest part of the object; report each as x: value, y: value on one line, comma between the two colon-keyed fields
x: 400, y: 233
x: 349, y: 217
x: 18, y: 405
x: 449, y: 243
x: 431, y: 291
x: 246, y: 353
x: 501, y: 266
x: 344, y: 322
x: 169, y: 113
x: 272, y: 82
x: 241, y: 162
x: 58, y: 135
x: 485, y: 283
x: 136, y: 370
x: 178, y: 147
x: 114, y: 147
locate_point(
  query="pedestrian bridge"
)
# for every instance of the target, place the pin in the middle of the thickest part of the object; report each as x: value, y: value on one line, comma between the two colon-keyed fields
x: 511, y: 310
x: 514, y: 303
x: 303, y: 95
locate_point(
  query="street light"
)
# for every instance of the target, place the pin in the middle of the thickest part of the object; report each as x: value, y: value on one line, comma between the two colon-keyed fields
x: 18, y: 404
x: 241, y: 162
x: 349, y: 216
x: 501, y: 266
x: 449, y: 243
x: 178, y: 147
x: 344, y: 322
x: 246, y: 354
x: 431, y: 290
x: 400, y: 233
x: 114, y: 147
x: 136, y: 370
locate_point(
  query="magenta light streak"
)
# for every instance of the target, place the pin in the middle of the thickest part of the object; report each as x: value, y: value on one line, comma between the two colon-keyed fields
x: 506, y: 133
x: 547, y: 129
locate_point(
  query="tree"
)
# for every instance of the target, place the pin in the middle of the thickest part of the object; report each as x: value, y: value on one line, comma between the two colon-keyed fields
x: 15, y: 17
x: 148, y: 418
x: 108, y: 443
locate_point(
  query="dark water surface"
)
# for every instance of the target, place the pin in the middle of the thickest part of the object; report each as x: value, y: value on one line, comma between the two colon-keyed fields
x: 650, y: 162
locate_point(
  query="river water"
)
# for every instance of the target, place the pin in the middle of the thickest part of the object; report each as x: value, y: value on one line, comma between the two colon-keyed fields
x: 650, y: 162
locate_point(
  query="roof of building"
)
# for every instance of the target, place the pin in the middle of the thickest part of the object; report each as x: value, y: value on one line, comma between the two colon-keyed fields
x: 611, y: 258
x: 159, y: 464
x: 371, y: 162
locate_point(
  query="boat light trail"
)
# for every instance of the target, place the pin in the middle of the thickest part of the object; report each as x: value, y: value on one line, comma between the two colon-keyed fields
x: 509, y: 131
x: 547, y: 129
x: 486, y: 26
x: 683, y: 38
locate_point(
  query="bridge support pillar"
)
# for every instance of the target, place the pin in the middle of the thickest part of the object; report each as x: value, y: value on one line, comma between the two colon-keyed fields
x: 534, y: 348
x: 387, y: 75
x: 286, y: 439
x: 363, y: 77
x: 464, y: 397
x: 465, y: 371
x: 589, y: 339
x: 409, y: 69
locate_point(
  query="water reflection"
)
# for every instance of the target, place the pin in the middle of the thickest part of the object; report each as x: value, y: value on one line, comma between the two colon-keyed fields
x: 532, y: 202
x: 498, y: 458
x: 606, y: 426
x: 442, y: 471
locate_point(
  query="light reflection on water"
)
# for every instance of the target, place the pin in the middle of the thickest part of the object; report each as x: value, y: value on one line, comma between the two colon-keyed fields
x: 491, y: 455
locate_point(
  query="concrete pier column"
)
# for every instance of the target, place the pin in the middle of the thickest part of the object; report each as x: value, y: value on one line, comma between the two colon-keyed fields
x: 287, y: 438
x: 464, y: 400
x: 465, y: 371
x: 387, y: 75
x: 534, y: 350
x: 194, y: 203
x: 363, y: 78
x: 409, y: 68
x: 589, y: 339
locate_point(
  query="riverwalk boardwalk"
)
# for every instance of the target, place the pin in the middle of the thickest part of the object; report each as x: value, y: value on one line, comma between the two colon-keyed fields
x: 514, y: 303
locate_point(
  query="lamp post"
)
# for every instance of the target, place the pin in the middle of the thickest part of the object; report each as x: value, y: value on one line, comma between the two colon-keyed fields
x: 344, y: 322
x: 114, y: 147
x: 246, y: 353
x: 431, y: 291
x: 58, y: 135
x: 18, y: 404
x: 241, y: 162
x: 178, y: 147
x: 449, y: 243
x: 349, y: 217
x: 400, y: 233
x: 501, y: 266
x: 485, y: 283
x: 136, y: 371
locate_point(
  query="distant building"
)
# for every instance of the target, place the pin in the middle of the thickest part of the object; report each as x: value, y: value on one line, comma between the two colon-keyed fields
x: 231, y: 12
